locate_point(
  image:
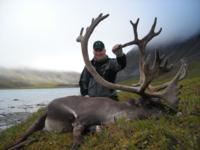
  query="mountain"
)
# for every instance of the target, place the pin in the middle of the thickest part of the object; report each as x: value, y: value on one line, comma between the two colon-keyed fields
x: 188, y: 50
x: 29, y: 78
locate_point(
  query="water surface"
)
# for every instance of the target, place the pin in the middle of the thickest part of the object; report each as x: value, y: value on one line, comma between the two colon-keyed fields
x: 29, y: 100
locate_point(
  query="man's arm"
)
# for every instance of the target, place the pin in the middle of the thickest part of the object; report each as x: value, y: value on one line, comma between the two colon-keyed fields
x: 120, y: 56
x: 122, y: 61
x: 84, y: 81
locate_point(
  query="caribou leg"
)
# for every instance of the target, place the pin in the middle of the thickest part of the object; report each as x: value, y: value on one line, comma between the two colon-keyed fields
x: 38, y: 125
x: 78, y: 131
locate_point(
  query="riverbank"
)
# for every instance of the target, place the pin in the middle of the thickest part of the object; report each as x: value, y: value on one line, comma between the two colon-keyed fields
x: 11, y: 119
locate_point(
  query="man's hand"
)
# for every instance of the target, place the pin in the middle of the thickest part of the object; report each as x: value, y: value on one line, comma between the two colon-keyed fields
x: 117, y: 50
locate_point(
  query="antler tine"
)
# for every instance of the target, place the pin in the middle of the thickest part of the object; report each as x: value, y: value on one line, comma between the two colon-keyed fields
x: 181, y: 74
x: 100, y: 15
x: 90, y: 68
x: 153, y: 28
x: 157, y: 59
x: 135, y: 25
x: 161, y: 63
x: 165, y: 66
x: 92, y: 20
x: 151, y: 33
x: 157, y: 56
x: 81, y: 33
x: 136, y: 40
x: 154, y: 25
x: 79, y: 38
x: 94, y: 23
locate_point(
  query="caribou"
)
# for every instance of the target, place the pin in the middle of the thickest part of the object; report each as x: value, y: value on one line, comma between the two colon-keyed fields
x: 79, y: 114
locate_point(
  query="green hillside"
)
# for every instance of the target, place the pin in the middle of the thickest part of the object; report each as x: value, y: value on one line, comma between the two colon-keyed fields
x: 27, y: 78
x: 169, y: 132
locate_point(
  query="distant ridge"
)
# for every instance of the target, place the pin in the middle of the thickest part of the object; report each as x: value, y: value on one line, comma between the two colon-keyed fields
x: 29, y: 78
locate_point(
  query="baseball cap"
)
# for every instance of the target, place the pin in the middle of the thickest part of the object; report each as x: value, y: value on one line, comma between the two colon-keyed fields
x: 98, y: 46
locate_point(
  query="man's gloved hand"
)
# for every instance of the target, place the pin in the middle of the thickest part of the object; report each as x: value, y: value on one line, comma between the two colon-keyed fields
x: 117, y: 50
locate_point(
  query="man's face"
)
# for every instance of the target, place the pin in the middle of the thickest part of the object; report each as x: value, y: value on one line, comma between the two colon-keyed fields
x: 99, y: 54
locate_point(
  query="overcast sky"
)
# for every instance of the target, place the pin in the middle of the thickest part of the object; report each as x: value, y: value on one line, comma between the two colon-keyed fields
x: 41, y: 34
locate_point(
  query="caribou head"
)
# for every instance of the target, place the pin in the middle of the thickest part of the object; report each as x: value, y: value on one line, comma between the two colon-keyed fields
x: 80, y: 114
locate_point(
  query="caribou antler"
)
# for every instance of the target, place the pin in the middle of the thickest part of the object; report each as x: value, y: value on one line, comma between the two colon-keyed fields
x: 167, y: 91
x: 145, y: 77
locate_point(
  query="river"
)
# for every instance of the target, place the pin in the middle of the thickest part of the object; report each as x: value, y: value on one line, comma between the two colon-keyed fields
x: 16, y: 104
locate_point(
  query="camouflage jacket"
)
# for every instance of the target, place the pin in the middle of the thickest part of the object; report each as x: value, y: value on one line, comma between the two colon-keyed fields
x: 108, y: 69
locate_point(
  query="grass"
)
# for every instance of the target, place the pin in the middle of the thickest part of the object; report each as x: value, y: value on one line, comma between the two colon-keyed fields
x: 169, y: 132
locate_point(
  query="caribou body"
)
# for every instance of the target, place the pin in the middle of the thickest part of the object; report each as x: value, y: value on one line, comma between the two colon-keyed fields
x: 78, y: 114
x: 84, y: 112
